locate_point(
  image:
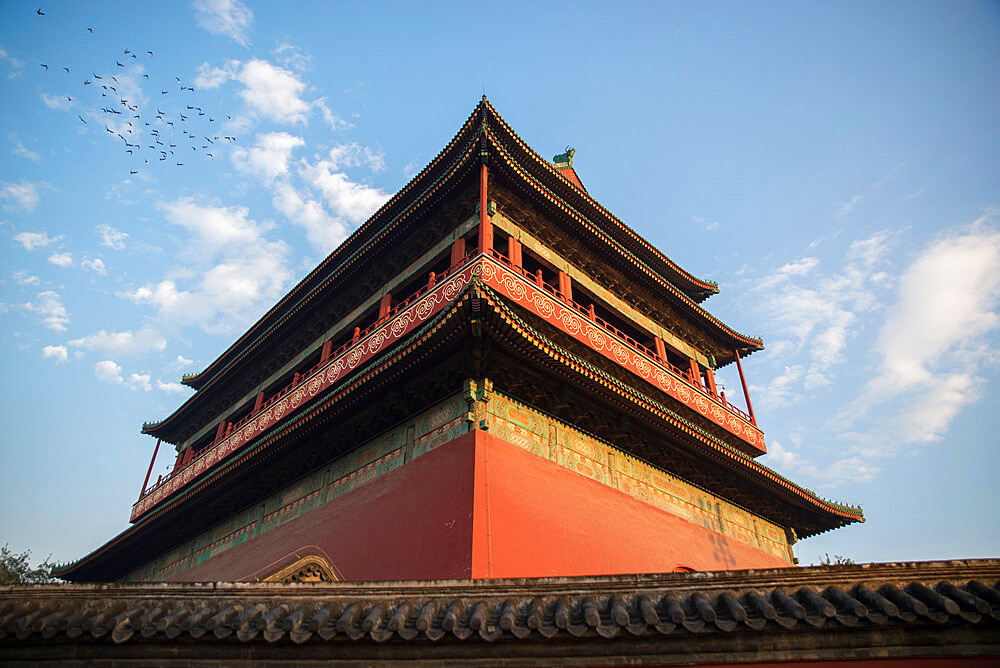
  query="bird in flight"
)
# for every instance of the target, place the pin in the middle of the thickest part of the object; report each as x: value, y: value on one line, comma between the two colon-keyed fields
x: 67, y: 70
x: 45, y: 66
x: 40, y: 12
x: 91, y: 30
x: 81, y: 118
x: 150, y: 53
x: 119, y: 64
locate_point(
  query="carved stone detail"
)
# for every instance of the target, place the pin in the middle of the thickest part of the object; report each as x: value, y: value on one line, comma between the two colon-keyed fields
x: 310, y: 568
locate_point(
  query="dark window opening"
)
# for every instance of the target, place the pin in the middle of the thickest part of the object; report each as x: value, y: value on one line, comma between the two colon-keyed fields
x: 533, y: 264
x: 611, y: 316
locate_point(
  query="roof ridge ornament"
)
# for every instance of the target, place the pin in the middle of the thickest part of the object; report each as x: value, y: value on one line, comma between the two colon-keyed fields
x: 564, y: 158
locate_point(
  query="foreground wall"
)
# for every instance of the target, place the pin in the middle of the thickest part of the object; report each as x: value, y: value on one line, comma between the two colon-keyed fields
x: 873, y: 615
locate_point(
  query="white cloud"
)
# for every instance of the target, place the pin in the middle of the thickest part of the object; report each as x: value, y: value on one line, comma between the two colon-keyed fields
x: 24, y: 278
x: 96, y: 265
x: 143, y: 340
x: 172, y: 388
x: 110, y: 237
x: 842, y: 470
x: 229, y: 296
x: 215, y: 227
x: 323, y: 230
x: 873, y: 249
x: 933, y: 340
x: 269, y: 91
x: 109, y: 372
x: 181, y: 363
x: 235, y: 272
x: 58, y: 353
x: 845, y: 208
x: 273, y: 92
x: 269, y: 157
x: 355, y: 155
x: 139, y: 381
x: 212, y: 77
x: 335, y: 122
x: 817, y: 315
x: 24, y: 194
x: 292, y: 57
x: 16, y: 63
x: 50, y: 307
x: 19, y: 149
x: 60, y: 102
x: 61, y: 259
x: 352, y: 201
x: 33, y: 240
x: 783, y: 389
x: 412, y: 167
x: 229, y: 18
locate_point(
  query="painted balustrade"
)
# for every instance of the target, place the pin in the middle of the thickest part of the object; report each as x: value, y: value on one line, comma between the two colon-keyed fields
x: 436, y: 279
x: 588, y: 312
x: 300, y: 377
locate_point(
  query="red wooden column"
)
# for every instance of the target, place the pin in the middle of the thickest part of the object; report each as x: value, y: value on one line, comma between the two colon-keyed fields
x: 514, y: 251
x: 324, y: 354
x: 746, y: 392
x: 710, y: 376
x: 150, y: 470
x: 485, y: 224
x: 457, y: 252
x: 385, y: 306
x: 565, y: 285
x: 695, y: 372
x: 661, y: 350
x: 259, y: 402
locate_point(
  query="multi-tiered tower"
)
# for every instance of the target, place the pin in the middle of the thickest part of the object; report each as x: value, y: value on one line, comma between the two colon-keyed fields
x: 492, y: 377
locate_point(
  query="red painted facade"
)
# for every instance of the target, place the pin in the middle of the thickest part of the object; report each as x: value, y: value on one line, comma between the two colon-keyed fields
x: 480, y: 507
x: 413, y: 523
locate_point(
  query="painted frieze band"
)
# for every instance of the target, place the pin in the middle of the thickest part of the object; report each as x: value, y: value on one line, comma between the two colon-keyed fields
x: 527, y: 295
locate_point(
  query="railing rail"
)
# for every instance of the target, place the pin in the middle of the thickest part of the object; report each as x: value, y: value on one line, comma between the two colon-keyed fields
x: 433, y: 279
x: 299, y: 377
x: 588, y: 312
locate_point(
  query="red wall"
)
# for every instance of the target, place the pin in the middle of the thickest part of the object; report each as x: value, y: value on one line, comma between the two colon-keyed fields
x: 535, y: 518
x: 412, y: 523
x: 480, y: 507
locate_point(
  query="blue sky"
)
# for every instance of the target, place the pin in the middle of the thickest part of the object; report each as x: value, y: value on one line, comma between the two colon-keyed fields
x: 834, y: 166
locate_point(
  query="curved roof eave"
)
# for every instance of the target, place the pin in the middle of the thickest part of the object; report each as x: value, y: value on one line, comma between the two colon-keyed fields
x: 698, y: 286
x: 401, y: 204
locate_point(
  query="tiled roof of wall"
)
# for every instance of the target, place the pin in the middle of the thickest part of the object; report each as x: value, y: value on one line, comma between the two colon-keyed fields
x: 873, y: 596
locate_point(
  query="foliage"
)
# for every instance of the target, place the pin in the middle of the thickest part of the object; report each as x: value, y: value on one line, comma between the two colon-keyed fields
x: 16, y: 568
x: 837, y: 560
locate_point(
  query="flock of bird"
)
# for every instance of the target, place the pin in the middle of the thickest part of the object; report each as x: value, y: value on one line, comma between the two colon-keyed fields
x: 147, y: 136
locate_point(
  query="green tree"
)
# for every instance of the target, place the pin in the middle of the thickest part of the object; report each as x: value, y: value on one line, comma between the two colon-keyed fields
x: 837, y: 560
x: 16, y: 568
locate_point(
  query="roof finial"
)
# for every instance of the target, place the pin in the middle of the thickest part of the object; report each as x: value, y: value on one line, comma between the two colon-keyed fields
x: 565, y: 158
